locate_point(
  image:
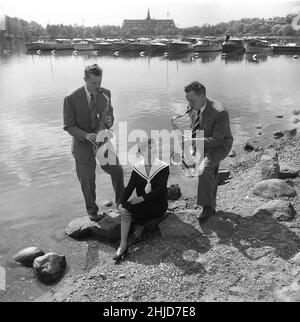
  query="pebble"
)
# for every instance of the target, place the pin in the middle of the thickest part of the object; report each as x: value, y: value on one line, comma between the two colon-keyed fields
x: 31, y: 298
x: 103, y: 276
x: 22, y: 279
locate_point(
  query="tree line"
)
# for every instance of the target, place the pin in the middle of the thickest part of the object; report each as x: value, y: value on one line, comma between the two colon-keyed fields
x: 19, y: 28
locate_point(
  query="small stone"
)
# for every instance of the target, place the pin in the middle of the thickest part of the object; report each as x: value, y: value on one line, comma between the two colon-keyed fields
x: 296, y: 112
x: 290, y: 133
x: 279, y: 116
x: 232, y: 154
x: 108, y: 203
x: 50, y: 267
x: 295, y: 120
x: 278, y: 134
x: 27, y: 256
x: 22, y: 279
x: 122, y: 276
x: 287, y: 171
x: 269, y: 166
x: 103, y: 276
x: 259, y: 127
x: 31, y: 298
x: 273, y: 188
x: 174, y: 192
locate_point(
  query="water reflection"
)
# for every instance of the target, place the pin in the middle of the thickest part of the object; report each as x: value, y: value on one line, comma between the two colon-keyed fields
x: 233, y: 58
x: 257, y: 58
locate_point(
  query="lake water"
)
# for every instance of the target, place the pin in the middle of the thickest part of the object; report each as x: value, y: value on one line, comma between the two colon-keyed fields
x: 146, y: 92
x: 39, y: 189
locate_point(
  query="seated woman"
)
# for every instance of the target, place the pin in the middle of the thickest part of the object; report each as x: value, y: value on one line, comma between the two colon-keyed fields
x: 149, y: 177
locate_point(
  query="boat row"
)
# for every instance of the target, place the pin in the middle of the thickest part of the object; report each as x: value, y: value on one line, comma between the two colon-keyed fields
x: 257, y: 45
x: 185, y: 44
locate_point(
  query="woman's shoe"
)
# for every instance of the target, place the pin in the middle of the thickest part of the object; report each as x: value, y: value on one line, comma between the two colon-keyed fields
x: 121, y: 256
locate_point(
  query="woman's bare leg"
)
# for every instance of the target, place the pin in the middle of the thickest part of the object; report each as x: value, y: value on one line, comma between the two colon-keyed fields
x: 125, y: 227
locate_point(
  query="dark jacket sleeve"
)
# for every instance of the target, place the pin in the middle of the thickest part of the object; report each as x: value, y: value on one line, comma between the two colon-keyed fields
x: 69, y: 120
x: 219, y: 131
x: 128, y: 190
x: 159, y: 188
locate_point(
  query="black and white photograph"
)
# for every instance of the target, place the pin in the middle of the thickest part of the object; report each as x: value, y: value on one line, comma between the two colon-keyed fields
x: 149, y: 154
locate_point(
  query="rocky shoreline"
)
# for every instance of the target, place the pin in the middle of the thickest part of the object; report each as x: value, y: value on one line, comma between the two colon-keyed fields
x: 248, y: 251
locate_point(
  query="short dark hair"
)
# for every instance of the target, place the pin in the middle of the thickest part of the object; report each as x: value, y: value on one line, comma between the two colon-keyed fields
x: 93, y: 70
x: 197, y: 87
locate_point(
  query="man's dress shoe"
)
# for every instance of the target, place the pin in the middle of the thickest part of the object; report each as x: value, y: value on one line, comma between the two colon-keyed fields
x: 207, y: 211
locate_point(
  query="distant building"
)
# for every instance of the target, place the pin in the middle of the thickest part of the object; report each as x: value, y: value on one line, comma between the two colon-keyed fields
x: 148, y: 22
x: 276, y: 21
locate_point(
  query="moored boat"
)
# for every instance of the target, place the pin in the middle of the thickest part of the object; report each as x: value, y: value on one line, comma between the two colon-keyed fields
x: 157, y: 46
x: 258, y: 46
x: 41, y: 45
x: 63, y: 44
x: 288, y: 48
x: 179, y: 46
x: 206, y: 45
x: 233, y: 45
x: 85, y: 44
x: 103, y: 46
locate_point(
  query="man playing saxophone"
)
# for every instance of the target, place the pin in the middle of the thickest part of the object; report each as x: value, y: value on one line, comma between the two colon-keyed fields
x: 212, y: 118
x: 87, y: 110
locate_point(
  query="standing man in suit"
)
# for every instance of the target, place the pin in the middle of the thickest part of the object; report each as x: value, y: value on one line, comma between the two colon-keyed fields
x: 211, y: 117
x: 84, y: 110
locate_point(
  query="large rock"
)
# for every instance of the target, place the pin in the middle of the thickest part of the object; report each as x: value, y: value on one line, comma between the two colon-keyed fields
x: 279, y: 209
x: 80, y: 228
x: 174, y: 192
x: 109, y: 227
x: 257, y: 144
x: 180, y: 225
x: 273, y: 188
x: 49, y: 268
x: 287, y: 171
x: 152, y: 225
x: 28, y: 255
x: 269, y: 166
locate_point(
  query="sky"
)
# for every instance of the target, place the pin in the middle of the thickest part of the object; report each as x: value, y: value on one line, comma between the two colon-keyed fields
x: 185, y: 13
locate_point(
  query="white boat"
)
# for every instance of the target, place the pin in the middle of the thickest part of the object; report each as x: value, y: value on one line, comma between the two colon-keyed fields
x: 86, y: 44
x: 205, y: 45
x: 179, y: 46
x: 258, y: 46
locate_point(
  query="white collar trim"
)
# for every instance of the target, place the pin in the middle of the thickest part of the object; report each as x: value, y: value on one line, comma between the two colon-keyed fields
x: 156, y: 167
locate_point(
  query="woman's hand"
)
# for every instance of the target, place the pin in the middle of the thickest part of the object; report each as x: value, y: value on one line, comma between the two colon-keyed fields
x: 136, y: 200
x: 122, y: 210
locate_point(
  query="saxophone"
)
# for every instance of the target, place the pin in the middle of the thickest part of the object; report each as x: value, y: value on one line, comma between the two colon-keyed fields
x: 188, y: 163
x: 102, y: 146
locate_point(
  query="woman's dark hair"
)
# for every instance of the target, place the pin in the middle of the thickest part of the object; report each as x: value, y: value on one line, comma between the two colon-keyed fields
x: 93, y: 70
x: 197, y: 87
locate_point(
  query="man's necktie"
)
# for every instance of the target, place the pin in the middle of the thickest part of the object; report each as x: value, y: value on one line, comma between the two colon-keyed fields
x: 196, y: 128
x: 93, y: 113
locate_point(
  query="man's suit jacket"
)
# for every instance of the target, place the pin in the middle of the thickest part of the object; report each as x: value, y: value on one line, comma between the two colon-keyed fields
x: 217, y: 134
x: 77, y: 120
